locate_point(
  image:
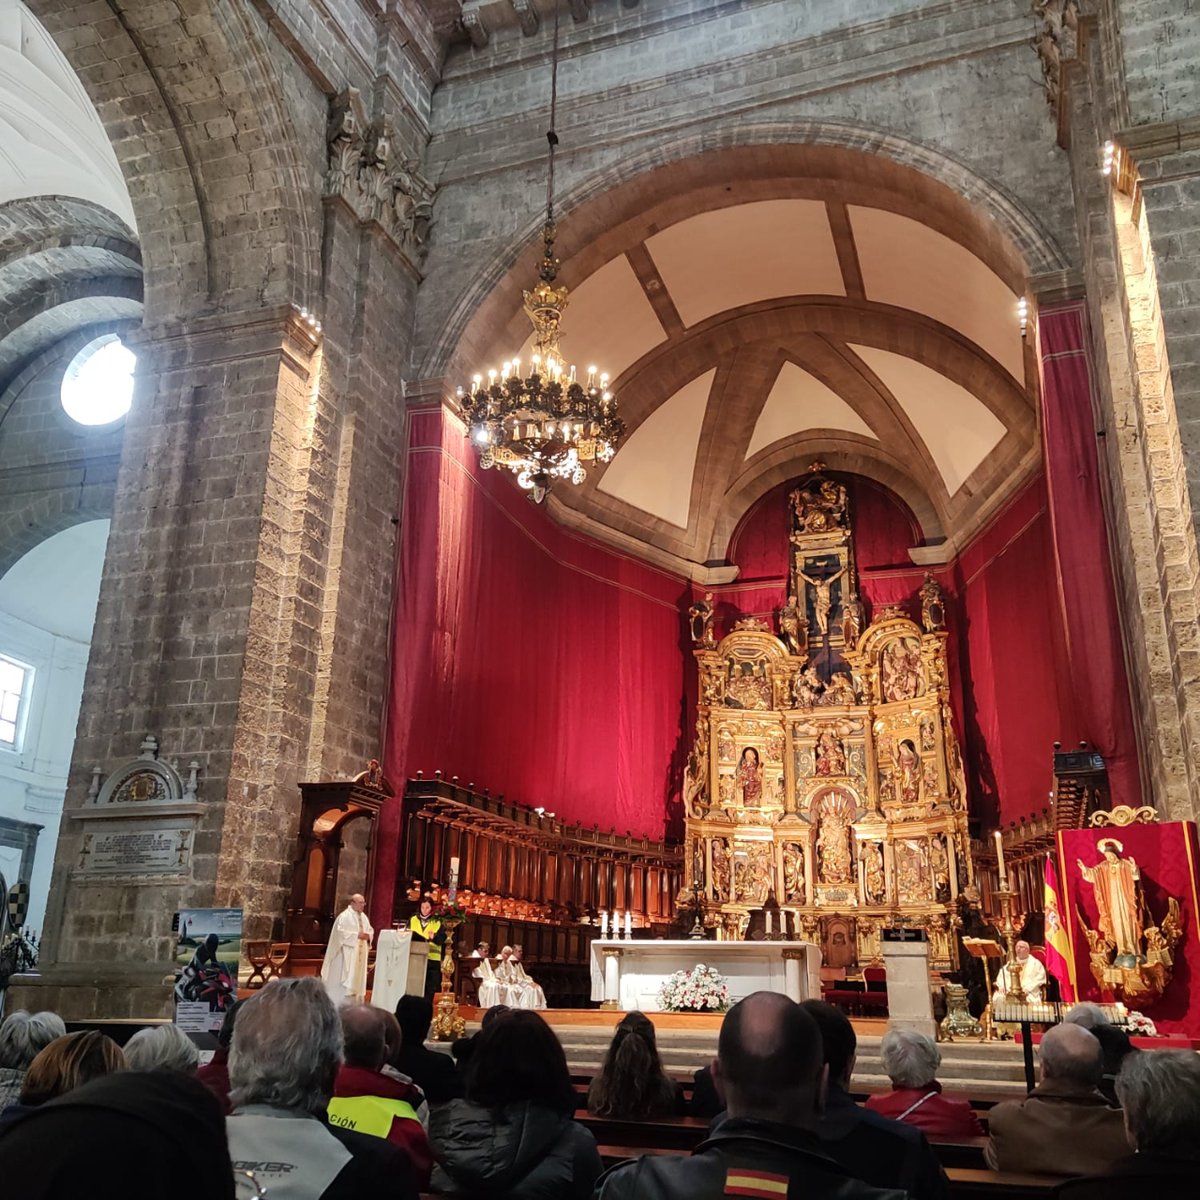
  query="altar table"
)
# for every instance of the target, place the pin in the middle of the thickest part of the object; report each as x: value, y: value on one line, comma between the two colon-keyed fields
x: 627, y: 974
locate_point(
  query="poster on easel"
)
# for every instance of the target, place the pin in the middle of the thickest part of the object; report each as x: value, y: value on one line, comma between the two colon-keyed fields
x: 207, y: 954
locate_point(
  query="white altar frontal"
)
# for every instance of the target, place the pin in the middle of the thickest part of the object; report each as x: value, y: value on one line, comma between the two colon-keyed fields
x: 399, y: 968
x: 627, y: 974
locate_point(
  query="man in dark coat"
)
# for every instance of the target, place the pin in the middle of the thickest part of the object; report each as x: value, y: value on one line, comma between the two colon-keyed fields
x: 770, y: 1073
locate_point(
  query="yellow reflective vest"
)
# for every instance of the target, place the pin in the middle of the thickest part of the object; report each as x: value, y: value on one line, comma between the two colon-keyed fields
x: 428, y: 930
x: 369, y: 1114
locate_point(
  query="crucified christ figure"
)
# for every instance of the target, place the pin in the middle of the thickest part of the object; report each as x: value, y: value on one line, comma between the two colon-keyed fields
x: 822, y: 600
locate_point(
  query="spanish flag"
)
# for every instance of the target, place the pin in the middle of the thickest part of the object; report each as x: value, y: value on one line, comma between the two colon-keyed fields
x: 740, y: 1181
x: 1058, y: 949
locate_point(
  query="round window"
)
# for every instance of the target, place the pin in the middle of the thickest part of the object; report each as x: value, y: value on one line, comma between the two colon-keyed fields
x: 98, y: 386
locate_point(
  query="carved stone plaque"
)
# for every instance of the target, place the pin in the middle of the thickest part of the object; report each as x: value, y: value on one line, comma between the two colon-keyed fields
x: 133, y: 848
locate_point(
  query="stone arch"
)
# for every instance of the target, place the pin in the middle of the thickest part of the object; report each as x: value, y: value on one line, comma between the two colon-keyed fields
x: 51, y: 513
x: 214, y: 236
x: 1000, y: 224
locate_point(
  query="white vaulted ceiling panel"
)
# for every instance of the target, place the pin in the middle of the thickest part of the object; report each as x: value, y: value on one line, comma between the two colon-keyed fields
x: 959, y: 430
x: 729, y: 257
x: 912, y: 266
x: 653, y: 470
x: 800, y: 401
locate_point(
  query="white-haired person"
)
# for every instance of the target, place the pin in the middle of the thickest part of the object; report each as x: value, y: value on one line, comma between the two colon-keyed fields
x: 162, y: 1048
x: 283, y: 1064
x: 23, y: 1036
x: 1064, y: 1126
x: 1159, y: 1093
x: 910, y: 1060
x: 1029, y: 974
x: 528, y: 994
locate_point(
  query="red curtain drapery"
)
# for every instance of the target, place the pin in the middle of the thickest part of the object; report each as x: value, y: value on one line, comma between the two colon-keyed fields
x: 1091, y: 649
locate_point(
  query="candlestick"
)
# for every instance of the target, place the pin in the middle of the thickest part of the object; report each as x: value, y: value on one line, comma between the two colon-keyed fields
x: 1000, y: 858
x: 628, y: 924
x: 604, y: 923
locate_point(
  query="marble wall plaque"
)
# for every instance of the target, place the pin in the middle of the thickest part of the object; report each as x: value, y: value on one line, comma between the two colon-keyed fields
x: 135, y: 848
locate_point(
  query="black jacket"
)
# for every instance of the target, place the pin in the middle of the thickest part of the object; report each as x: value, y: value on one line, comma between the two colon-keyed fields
x: 432, y: 1071
x: 880, y: 1151
x: 755, y: 1147
x: 523, y: 1152
x: 1147, y: 1174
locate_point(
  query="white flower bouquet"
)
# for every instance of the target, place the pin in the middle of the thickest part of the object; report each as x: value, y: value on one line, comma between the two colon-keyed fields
x: 1139, y: 1025
x: 699, y: 990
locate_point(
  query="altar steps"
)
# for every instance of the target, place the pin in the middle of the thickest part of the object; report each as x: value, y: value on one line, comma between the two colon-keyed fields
x: 997, y: 1067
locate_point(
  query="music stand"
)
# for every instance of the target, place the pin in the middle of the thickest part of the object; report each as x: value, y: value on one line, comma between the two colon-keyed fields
x: 985, y: 949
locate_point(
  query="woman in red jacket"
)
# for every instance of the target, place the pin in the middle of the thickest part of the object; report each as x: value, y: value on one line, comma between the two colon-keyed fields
x: 911, y: 1060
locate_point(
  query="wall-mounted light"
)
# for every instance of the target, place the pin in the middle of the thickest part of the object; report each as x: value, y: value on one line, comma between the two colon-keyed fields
x: 1109, y: 160
x: 1023, y: 315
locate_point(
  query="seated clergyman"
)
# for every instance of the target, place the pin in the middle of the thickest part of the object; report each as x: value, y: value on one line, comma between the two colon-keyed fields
x: 1029, y: 975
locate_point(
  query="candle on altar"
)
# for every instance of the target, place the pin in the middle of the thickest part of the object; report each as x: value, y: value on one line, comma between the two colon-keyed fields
x: 616, y: 923
x: 767, y: 911
x: 628, y: 924
x: 452, y: 890
x: 604, y: 922
x: 1000, y: 858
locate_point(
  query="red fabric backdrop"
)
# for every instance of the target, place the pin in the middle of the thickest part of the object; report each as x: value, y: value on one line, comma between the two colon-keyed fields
x: 526, y: 660
x: 1167, y: 857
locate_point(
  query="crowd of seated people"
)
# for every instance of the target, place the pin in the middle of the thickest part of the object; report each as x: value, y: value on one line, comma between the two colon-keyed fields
x: 319, y: 1103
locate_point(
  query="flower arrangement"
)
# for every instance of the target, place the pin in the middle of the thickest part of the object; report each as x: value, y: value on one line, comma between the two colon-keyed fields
x: 446, y: 909
x: 699, y: 990
x: 1139, y: 1025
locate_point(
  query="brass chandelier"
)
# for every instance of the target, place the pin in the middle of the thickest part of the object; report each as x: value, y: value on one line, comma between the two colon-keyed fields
x: 538, y: 419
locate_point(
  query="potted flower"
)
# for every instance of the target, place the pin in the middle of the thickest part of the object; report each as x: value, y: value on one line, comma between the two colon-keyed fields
x: 700, y: 989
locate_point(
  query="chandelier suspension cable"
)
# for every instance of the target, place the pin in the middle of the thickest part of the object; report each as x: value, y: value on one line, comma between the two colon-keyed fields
x: 539, y: 419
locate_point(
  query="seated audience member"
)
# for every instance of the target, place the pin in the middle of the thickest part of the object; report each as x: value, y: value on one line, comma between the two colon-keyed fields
x: 704, y: 1102
x: 162, y: 1048
x: 632, y: 1083
x: 128, y: 1135
x: 215, y: 1073
x: 393, y: 1040
x: 1086, y: 1015
x: 1064, y: 1126
x: 770, y: 1072
x: 283, y: 1062
x: 1030, y: 975
x: 431, y: 1070
x: 875, y: 1149
x: 526, y: 993
x: 462, y: 1048
x: 911, y: 1060
x: 367, y: 1100
x: 22, y: 1036
x: 513, y: 1137
x: 1160, y: 1096
x: 1115, y: 1046
x: 67, y: 1063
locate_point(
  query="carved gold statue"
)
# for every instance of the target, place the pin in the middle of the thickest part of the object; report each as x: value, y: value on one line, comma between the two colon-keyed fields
x: 822, y: 595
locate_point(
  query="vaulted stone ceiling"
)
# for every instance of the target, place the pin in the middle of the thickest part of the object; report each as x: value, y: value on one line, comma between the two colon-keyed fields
x: 862, y: 315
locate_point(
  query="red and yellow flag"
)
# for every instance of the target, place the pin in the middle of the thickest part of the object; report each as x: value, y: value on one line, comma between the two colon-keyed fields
x: 1058, y: 948
x: 741, y: 1181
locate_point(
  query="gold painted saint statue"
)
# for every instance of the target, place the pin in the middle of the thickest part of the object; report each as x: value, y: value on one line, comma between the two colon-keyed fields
x: 1115, y: 886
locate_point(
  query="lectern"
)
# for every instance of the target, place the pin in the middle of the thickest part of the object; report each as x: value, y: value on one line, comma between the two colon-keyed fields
x: 399, y: 968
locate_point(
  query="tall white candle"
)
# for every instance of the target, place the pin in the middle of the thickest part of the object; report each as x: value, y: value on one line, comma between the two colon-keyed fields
x: 452, y: 891
x: 628, y: 924
x: 616, y: 923
x: 1000, y: 858
x: 604, y: 922
x: 767, y: 911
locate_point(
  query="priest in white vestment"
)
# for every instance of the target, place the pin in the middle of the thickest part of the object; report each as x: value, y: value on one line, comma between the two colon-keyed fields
x: 524, y: 991
x: 1030, y: 975
x: 344, y: 970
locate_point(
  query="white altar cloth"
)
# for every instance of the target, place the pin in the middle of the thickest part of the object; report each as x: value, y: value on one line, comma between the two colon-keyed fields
x: 643, y: 966
x: 399, y: 968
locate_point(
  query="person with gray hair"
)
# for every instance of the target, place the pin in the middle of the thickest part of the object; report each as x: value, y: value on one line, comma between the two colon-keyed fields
x: 911, y: 1059
x: 283, y: 1061
x: 162, y: 1048
x: 1064, y: 1126
x: 23, y: 1036
x: 1160, y: 1094
x: 1086, y: 1015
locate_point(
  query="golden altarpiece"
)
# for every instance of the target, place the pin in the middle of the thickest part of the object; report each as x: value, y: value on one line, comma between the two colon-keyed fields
x: 825, y: 786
